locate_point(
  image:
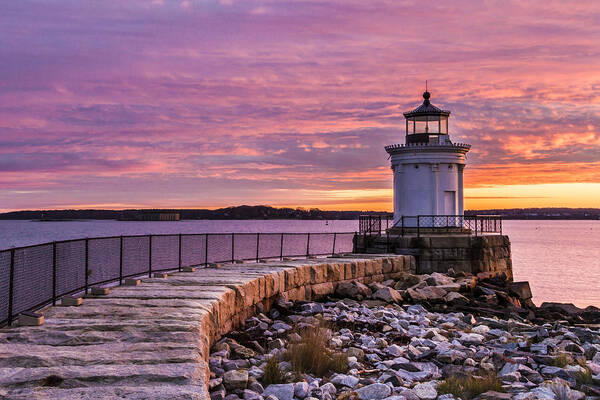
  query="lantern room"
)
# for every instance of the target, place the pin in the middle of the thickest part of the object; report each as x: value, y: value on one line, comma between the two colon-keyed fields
x: 427, y: 123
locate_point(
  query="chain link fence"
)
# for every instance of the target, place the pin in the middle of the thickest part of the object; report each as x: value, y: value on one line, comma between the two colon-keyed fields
x: 32, y: 277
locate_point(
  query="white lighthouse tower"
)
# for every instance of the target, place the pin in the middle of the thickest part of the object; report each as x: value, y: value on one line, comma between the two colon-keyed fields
x: 428, y: 169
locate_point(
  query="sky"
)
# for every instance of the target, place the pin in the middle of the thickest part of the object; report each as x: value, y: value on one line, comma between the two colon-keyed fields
x: 206, y: 104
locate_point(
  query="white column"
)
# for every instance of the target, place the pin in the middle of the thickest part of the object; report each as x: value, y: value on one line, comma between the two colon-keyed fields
x: 398, y: 182
x: 460, y: 195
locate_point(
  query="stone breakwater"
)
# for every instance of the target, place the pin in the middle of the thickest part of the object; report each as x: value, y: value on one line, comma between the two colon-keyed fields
x: 152, y: 341
x: 404, y: 352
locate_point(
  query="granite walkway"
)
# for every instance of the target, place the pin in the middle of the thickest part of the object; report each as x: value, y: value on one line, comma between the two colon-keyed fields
x: 152, y: 341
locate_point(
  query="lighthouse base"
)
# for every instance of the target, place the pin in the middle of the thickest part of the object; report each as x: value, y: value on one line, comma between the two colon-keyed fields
x: 440, y: 252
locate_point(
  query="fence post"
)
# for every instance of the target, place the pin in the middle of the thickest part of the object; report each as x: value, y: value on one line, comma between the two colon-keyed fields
x: 281, y: 248
x: 53, y: 273
x: 500, y: 226
x: 418, y: 226
x: 232, y: 247
x: 257, y: 244
x: 120, y: 260
x: 179, y: 255
x: 475, y: 226
x: 87, y: 263
x: 307, y: 244
x: 354, y: 239
x: 333, y: 249
x: 150, y: 256
x: 11, y: 286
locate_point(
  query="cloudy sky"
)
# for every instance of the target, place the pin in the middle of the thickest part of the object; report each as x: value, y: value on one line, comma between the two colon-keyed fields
x: 118, y: 104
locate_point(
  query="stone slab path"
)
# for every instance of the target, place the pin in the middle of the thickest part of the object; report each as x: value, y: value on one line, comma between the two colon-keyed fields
x: 152, y: 341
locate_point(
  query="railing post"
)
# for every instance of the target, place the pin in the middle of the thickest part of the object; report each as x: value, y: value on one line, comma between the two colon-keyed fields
x: 387, y: 242
x: 179, y: 255
x: 402, y: 220
x: 53, y: 273
x: 475, y: 226
x: 87, y: 263
x: 281, y: 248
x: 232, y: 247
x: 11, y: 286
x: 354, y: 247
x: 333, y: 249
x: 308, y: 244
x: 257, y: 245
x: 206, y: 249
x: 418, y: 226
x: 120, y: 260
x: 150, y: 256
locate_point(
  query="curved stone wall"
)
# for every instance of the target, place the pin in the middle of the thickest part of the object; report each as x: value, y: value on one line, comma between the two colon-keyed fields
x: 152, y: 341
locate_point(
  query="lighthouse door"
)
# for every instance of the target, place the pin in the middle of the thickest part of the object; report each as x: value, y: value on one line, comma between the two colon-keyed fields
x: 450, y: 202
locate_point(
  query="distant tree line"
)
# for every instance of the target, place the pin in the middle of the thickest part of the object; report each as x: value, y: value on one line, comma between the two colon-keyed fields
x: 267, y: 212
x: 240, y: 212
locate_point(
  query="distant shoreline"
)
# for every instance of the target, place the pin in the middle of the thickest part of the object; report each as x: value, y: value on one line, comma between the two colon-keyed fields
x: 272, y: 213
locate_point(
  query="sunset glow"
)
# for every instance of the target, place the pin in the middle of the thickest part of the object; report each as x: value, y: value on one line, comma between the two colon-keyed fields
x: 206, y: 104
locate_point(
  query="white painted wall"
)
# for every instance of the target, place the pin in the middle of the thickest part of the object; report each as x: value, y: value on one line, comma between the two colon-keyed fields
x: 421, y: 178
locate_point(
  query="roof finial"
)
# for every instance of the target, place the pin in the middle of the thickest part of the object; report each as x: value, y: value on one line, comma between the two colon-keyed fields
x: 426, y: 95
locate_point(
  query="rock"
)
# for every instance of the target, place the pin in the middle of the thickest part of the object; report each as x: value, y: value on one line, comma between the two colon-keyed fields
x: 456, y: 299
x: 355, y: 352
x: 387, y: 294
x: 416, y: 309
x: 425, y: 391
x: 301, y: 390
x: 375, y: 391
x: 437, y: 279
x: 492, y: 395
x: 345, y: 380
x: 312, y: 308
x: 394, y: 350
x: 352, y: 289
x: 235, y: 379
x: 284, y: 391
x: 275, y: 344
x: 251, y: 395
x: 428, y: 293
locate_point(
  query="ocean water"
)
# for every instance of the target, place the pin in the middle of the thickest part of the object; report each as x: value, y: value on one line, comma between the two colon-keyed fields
x: 560, y: 259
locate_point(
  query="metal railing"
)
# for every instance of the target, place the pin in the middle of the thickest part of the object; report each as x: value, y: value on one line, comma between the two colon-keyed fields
x: 374, y: 224
x: 32, y: 277
x: 466, y: 224
x: 411, y: 225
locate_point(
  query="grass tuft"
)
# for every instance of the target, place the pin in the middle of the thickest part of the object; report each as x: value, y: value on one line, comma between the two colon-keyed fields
x: 469, y: 387
x: 312, y: 354
x: 584, y: 377
x: 561, y: 360
x: 273, y: 374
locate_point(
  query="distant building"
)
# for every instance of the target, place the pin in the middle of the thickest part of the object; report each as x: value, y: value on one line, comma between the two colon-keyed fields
x: 428, y: 168
x: 158, y: 216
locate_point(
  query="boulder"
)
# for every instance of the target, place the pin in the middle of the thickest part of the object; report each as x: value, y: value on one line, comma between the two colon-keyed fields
x: 388, y: 295
x: 375, y: 391
x: 235, y: 379
x: 437, y: 279
x: 425, y: 391
x: 428, y: 293
x: 456, y: 299
x: 284, y: 391
x: 352, y: 289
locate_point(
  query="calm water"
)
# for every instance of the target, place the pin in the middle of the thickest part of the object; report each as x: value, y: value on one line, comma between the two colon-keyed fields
x: 561, y: 259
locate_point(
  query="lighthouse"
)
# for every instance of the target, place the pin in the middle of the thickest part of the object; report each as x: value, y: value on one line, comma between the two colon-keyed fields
x: 428, y: 169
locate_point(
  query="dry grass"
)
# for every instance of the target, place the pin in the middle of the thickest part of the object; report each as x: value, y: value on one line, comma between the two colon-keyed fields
x: 312, y: 354
x: 273, y: 374
x: 562, y: 360
x: 584, y: 377
x: 469, y: 387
